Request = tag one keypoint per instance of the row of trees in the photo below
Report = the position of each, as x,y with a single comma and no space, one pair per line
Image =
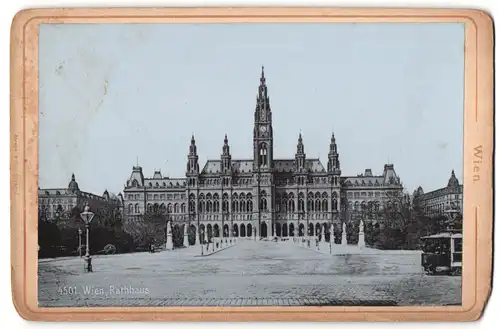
397,227
60,236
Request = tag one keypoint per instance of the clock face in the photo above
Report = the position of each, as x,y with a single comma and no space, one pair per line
263,129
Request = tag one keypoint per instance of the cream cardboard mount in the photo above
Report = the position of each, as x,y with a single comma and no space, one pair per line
262,238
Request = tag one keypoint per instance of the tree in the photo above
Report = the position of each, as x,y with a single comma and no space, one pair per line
399,223
49,238
177,236
457,223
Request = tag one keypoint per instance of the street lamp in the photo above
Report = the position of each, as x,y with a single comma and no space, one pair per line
330,234
80,242
87,217
202,239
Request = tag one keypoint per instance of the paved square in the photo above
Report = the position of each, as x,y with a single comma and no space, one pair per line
250,273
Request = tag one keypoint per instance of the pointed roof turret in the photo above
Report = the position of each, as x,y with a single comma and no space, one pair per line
453,181
300,147
333,157
192,147
225,147
192,165
333,146
262,108
73,185
300,144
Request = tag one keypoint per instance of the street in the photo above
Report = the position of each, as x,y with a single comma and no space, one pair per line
248,273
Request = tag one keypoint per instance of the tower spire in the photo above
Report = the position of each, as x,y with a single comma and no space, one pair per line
225,157
333,157
225,147
263,129
192,165
300,156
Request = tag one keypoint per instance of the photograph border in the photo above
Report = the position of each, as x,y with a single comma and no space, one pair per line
478,170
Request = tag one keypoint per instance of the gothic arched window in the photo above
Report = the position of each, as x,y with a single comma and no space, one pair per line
130,208
263,155
301,204
136,208
291,205
317,205
263,204
249,205
310,205
324,205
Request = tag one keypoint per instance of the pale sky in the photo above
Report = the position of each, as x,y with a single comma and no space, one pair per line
110,93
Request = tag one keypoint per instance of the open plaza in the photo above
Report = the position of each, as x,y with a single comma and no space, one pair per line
247,272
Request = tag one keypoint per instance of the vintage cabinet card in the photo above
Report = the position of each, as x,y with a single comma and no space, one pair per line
251,164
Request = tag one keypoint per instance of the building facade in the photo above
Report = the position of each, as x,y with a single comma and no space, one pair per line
259,195
442,201
56,204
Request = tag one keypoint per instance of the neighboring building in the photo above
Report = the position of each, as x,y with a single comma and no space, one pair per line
441,201
259,195
54,203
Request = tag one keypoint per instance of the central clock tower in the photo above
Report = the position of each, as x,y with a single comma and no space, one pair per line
263,130
263,179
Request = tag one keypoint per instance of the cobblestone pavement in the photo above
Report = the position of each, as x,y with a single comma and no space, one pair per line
250,273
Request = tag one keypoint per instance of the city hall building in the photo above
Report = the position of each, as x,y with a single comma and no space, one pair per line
259,195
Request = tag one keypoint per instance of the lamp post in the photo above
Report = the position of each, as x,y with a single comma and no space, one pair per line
87,217
331,236
202,239
80,242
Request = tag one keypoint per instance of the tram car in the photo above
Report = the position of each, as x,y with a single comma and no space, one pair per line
442,253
